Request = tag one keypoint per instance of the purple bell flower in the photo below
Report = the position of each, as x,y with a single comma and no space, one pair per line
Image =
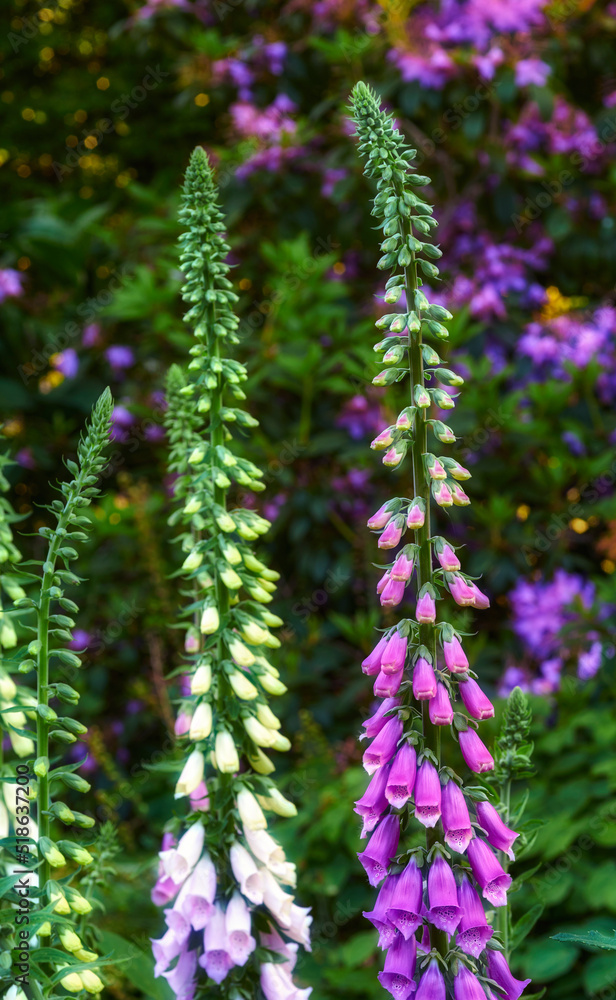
383,746
444,911
475,753
499,971
427,795
499,835
375,723
373,802
379,916
398,975
387,685
381,849
404,911
477,704
394,656
488,871
424,680
440,709
372,663
473,929
456,820
432,985
466,986
401,779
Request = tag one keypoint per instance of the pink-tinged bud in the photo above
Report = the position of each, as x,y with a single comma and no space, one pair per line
476,703
457,471
404,910
447,558
460,498
441,712
432,985
373,803
475,753
443,432
480,600
392,593
380,587
405,419
382,440
455,657
424,680
394,456
397,976
381,848
444,911
442,494
466,986
499,835
473,931
402,569
416,516
375,723
372,663
499,971
380,518
401,780
394,656
392,534
456,820
387,685
379,915
460,591
488,871
427,795
426,609
383,746
182,724
435,468
421,397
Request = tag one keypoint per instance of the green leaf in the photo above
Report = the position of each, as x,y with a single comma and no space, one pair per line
546,960
137,966
599,972
525,924
588,939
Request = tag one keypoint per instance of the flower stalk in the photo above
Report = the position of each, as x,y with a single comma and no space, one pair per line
422,671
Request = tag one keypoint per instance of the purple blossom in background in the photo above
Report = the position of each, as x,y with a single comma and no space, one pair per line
275,53
91,335
331,176
574,443
264,123
81,639
121,420
67,362
361,417
10,283
120,357
531,71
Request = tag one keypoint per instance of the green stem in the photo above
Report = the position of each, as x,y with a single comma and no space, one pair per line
503,914
421,488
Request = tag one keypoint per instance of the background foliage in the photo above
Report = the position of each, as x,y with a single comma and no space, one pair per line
514,110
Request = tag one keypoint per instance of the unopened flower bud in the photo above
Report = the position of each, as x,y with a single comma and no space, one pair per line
72,983
395,455
191,776
258,733
91,982
201,722
416,515
51,853
242,686
383,440
227,759
250,811
70,940
201,680
421,397
240,653
260,762
210,620
267,717
193,561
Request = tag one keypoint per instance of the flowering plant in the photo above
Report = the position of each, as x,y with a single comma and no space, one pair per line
231,915
421,670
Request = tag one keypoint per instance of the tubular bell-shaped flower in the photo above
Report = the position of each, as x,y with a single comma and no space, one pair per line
435,689
226,863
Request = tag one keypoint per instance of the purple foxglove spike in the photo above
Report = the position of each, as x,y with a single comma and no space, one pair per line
473,930
380,518
425,611
499,835
379,916
392,594
424,680
394,656
480,599
372,663
456,820
475,753
398,975
427,795
380,587
432,985
381,849
416,517
455,657
477,704
391,535
241,943
499,971
375,723
216,959
466,986
448,559
387,685
404,909
373,803
444,911
441,712
488,871
181,979
460,591
402,569
401,779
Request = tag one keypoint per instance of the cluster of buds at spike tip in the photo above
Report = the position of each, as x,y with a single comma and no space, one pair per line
219,862
48,844
430,911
